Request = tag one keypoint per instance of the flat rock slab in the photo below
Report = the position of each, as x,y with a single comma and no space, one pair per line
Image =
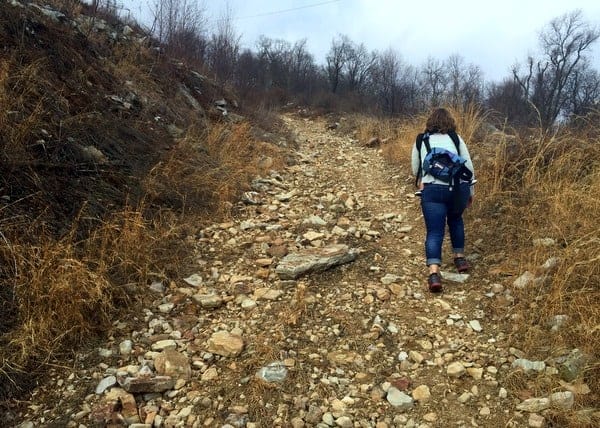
455,277
143,384
310,260
225,344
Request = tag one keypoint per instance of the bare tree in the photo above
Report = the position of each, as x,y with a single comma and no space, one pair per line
584,92
282,68
465,81
249,75
455,64
359,64
385,80
508,98
472,90
434,78
303,69
223,49
546,80
180,26
274,54
336,61
410,90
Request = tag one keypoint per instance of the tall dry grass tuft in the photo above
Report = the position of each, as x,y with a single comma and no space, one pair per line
397,134
209,167
404,132
124,249
23,107
540,186
59,300
64,290
469,121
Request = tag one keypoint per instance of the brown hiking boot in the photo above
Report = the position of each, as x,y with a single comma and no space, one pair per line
435,282
462,265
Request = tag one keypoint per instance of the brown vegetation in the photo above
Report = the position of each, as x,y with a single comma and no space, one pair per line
107,147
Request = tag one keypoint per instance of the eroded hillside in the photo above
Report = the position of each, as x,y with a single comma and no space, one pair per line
105,143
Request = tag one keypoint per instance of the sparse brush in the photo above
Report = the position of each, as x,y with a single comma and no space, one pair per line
367,128
208,168
65,291
400,149
23,110
122,248
546,186
264,118
59,301
469,120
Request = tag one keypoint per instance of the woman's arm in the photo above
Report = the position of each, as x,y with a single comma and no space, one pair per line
464,153
415,160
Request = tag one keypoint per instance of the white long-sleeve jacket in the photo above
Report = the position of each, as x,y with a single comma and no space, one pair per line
442,141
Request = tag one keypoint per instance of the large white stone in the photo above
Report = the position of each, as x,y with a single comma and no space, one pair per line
399,399
562,399
314,260
534,404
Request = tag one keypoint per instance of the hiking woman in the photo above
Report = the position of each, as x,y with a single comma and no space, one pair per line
441,201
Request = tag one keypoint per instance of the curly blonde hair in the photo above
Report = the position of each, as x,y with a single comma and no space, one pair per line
440,121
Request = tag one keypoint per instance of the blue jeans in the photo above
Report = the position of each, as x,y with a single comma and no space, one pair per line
441,206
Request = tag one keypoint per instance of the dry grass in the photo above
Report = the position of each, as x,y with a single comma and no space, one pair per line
209,168
66,290
22,98
536,186
59,300
546,187
79,240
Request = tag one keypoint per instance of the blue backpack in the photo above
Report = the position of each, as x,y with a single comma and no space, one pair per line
443,164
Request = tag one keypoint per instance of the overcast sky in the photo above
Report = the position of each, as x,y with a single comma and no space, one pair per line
493,35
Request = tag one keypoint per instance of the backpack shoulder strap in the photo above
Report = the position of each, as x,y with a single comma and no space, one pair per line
418,143
454,136
426,141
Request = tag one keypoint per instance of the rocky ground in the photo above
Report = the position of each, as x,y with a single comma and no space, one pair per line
309,309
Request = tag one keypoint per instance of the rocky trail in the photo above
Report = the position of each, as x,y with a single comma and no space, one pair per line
309,309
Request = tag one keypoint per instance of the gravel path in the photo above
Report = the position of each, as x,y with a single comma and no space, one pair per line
362,344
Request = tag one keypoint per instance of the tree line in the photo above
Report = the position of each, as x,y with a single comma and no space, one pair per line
551,87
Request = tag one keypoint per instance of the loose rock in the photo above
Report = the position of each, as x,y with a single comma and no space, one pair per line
399,399
225,344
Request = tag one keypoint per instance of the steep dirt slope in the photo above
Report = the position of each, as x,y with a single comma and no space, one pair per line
362,344
92,116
